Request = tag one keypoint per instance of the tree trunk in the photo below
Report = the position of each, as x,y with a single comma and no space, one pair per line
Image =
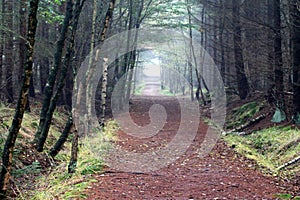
44,62
9,64
62,139
54,70
191,52
242,81
133,54
61,82
222,27
2,34
16,124
74,154
91,65
22,44
108,18
279,87
104,89
270,73
296,58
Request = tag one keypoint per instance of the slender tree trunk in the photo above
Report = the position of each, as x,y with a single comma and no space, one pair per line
54,70
17,121
108,19
128,55
2,35
203,42
22,50
279,87
63,138
45,62
243,86
61,82
132,61
9,64
74,154
191,51
22,45
270,72
104,90
222,27
296,58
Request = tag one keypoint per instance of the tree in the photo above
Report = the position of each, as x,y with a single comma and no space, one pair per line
295,16
278,61
1,47
242,82
53,72
64,69
19,112
83,86
8,51
191,51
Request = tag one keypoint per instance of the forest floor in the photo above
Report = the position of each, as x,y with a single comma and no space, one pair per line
222,174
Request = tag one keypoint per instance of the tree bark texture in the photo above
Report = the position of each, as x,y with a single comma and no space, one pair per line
17,120
54,71
61,82
242,82
296,56
279,87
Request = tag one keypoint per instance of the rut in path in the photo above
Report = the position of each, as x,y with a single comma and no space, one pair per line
223,174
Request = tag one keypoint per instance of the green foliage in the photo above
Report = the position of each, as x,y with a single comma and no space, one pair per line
139,89
166,92
91,166
49,11
170,14
240,115
59,184
271,147
34,168
286,197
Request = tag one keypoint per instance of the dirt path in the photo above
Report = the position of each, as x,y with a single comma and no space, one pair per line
152,86
223,174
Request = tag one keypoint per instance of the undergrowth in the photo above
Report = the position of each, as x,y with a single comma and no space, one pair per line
240,115
270,147
36,175
139,89
59,184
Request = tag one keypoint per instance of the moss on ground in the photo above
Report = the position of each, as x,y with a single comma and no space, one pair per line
240,115
270,147
38,176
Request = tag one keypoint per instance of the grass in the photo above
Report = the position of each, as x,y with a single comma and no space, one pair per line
271,147
287,197
32,180
58,184
139,89
166,92
240,115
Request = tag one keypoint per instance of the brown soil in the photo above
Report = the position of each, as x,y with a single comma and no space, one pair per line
223,174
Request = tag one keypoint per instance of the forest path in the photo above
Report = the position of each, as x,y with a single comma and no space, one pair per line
223,174
152,86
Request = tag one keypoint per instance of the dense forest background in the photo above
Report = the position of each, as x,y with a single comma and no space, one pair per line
254,43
